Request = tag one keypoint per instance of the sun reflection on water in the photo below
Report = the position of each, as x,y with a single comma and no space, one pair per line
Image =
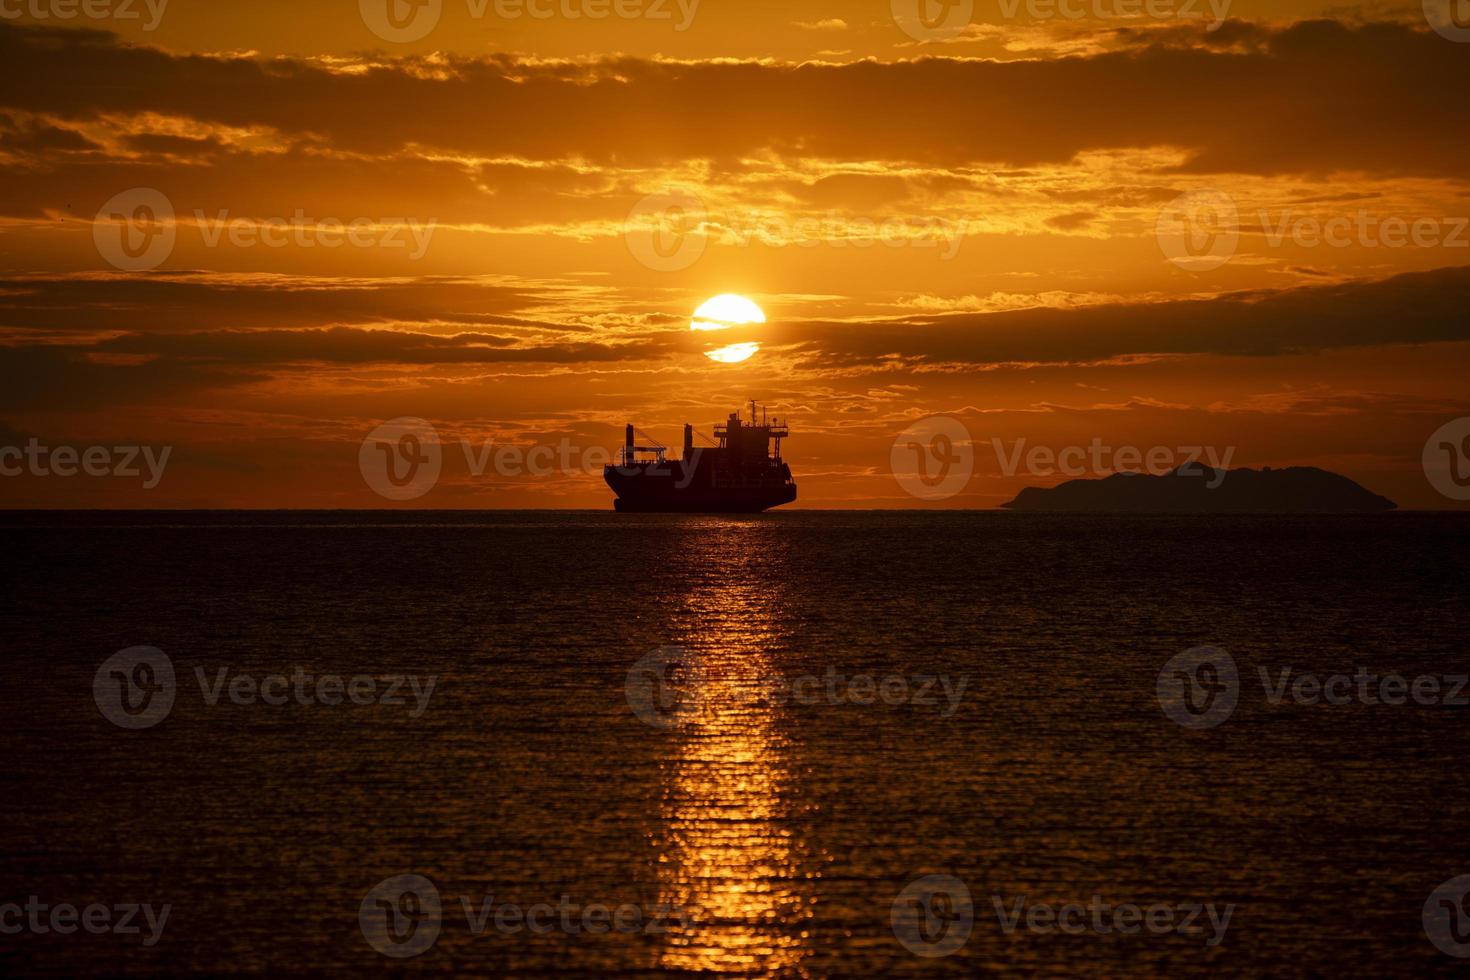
727,853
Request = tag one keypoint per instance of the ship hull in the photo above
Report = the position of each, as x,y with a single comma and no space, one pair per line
640,493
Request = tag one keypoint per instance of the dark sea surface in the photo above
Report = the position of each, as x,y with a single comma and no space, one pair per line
781,828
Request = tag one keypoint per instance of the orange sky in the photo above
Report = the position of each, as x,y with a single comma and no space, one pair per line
1248,233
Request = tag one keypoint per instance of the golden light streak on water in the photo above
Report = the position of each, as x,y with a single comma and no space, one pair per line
727,855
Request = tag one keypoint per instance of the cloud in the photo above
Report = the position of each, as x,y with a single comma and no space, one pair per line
1071,221
142,364
830,24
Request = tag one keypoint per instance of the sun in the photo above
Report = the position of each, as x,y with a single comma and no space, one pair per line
728,310
723,312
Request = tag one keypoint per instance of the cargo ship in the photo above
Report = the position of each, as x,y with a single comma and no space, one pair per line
742,474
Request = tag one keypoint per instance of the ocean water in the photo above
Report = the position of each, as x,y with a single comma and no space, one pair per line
745,737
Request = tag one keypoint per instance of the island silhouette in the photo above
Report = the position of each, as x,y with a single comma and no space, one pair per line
1195,488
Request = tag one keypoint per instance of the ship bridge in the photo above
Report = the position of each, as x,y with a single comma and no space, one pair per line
753,440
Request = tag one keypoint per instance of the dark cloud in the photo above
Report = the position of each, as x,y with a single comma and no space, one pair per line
29,136
1417,308
166,303
59,378
167,143
1318,96
355,346
857,191
1072,221
246,184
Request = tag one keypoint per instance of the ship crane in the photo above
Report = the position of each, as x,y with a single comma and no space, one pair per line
631,450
